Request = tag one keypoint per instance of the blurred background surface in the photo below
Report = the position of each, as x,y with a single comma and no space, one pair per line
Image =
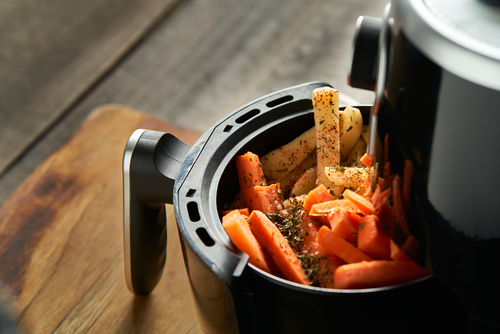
190,62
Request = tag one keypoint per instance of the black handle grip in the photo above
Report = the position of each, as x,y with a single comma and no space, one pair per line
150,164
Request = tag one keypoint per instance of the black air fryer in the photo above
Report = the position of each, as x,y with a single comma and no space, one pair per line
435,66
232,296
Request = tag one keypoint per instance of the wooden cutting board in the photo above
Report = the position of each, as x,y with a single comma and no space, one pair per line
61,248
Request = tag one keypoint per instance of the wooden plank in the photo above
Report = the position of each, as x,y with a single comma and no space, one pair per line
61,240
54,52
210,57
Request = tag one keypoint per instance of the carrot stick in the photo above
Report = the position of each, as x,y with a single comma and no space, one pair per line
367,185
386,149
326,208
340,247
397,254
375,195
387,172
406,191
342,224
311,229
376,274
372,239
366,160
243,211
328,261
363,204
381,183
267,198
398,208
386,217
411,247
354,219
250,174
377,202
320,211
236,226
319,194
270,238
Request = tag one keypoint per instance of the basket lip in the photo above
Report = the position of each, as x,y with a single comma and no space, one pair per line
223,257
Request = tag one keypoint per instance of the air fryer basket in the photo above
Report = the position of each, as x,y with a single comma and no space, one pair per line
265,303
231,295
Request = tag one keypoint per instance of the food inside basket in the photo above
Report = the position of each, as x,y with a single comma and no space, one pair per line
309,212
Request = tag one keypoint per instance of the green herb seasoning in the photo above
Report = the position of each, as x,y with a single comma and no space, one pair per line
290,223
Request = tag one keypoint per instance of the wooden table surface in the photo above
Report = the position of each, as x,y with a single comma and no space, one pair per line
176,60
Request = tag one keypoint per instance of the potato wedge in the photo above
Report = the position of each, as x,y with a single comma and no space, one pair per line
305,183
350,124
289,180
357,151
364,132
326,118
347,176
281,161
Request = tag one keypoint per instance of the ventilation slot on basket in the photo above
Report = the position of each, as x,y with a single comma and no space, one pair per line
193,212
242,119
279,101
205,237
191,193
228,128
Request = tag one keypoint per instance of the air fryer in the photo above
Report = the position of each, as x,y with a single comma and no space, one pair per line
230,295
435,68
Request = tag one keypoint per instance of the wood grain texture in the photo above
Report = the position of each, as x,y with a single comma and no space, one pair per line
203,61
54,52
61,250
211,57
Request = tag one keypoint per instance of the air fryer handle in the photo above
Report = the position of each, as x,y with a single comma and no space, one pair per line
150,164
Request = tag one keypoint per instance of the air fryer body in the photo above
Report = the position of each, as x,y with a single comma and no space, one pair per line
446,121
449,127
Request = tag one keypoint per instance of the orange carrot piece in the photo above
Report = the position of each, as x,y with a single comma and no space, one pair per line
366,160
381,183
386,149
386,217
319,194
236,226
342,224
397,202
377,273
397,254
354,219
375,195
326,208
406,187
340,247
270,238
411,247
377,202
364,205
244,212
267,198
372,239
320,211
387,172
328,262
250,174
367,185
311,229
